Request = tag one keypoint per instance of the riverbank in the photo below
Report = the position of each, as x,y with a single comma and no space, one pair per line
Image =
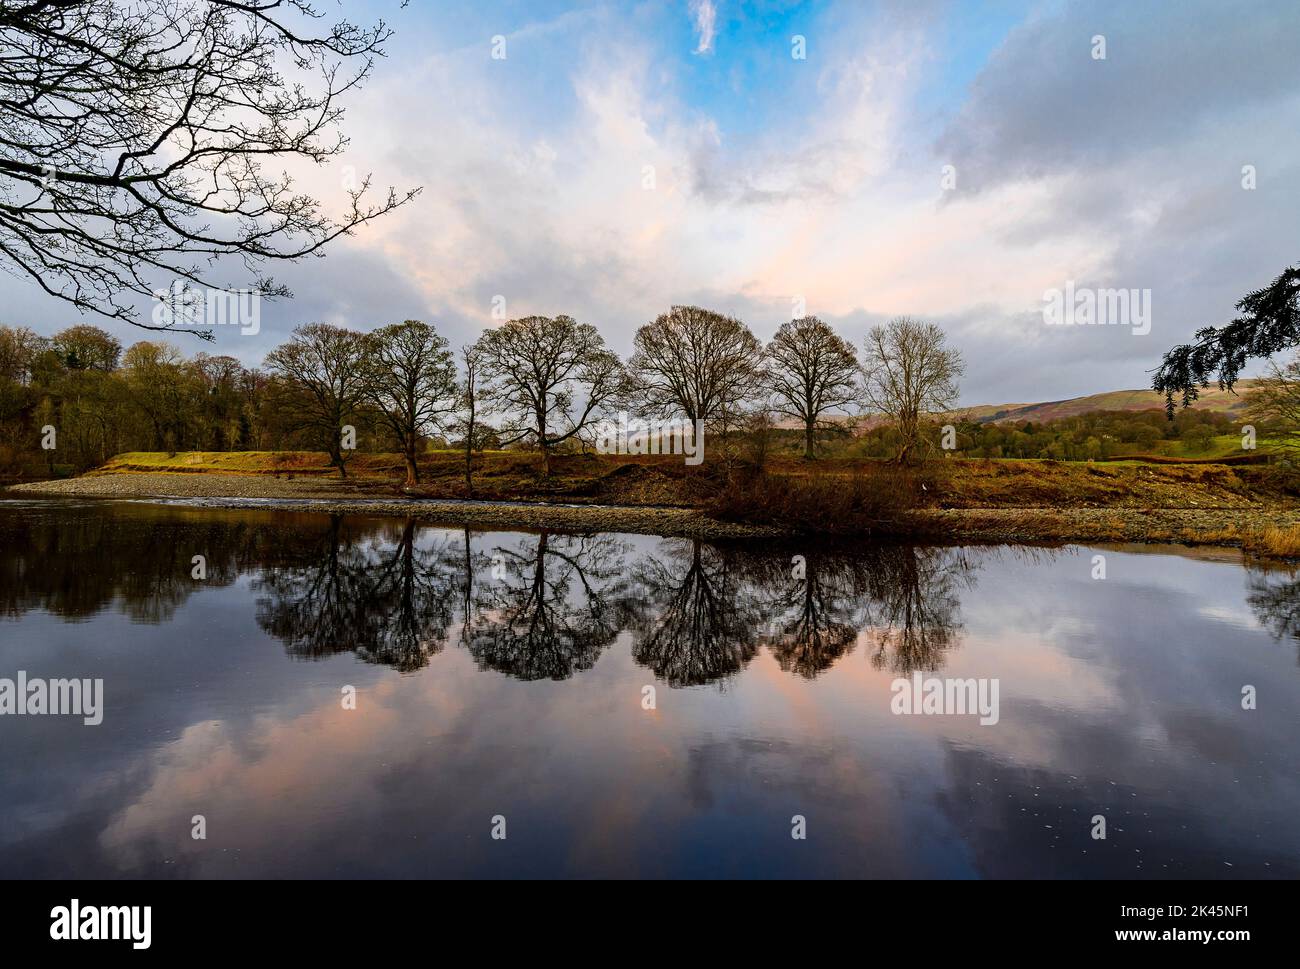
1220,515
330,496
1255,530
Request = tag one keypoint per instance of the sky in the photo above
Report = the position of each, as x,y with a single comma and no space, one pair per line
624,157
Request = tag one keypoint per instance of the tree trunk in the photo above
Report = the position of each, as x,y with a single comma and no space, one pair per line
412,470
336,459
541,439
808,441
469,454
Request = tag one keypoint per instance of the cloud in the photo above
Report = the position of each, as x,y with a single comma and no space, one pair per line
1135,164
543,201
705,16
604,172
1044,104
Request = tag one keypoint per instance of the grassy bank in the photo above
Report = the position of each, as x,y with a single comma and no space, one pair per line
650,480
951,499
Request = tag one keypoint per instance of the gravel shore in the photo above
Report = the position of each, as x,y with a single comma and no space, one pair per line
334,496
1210,526
167,485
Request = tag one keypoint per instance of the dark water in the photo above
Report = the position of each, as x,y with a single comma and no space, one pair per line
520,695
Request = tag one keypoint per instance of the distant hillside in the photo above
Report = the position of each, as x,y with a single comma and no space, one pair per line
1212,398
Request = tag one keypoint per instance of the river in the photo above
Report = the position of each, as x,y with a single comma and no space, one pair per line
334,696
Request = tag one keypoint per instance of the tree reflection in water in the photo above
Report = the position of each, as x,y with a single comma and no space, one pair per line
710,608
915,601
553,605
538,606
76,562
396,592
699,618
1274,594
377,591
814,606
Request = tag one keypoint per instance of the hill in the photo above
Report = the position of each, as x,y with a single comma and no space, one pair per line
1212,398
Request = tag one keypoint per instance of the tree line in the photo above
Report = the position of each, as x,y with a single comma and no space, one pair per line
538,382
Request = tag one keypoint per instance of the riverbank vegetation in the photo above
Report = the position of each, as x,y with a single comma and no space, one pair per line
952,501
745,490
803,434
104,400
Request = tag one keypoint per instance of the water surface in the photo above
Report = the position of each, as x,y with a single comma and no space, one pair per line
505,675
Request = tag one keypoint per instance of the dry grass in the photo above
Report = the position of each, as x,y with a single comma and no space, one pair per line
1027,484
827,495
1282,543
945,500
1271,542
238,462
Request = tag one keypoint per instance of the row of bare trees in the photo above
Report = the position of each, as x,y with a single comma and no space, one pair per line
548,380
538,381
403,375
134,145
710,367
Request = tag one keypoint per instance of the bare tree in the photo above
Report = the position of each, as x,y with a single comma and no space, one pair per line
1275,399
219,381
19,347
469,392
321,384
811,370
910,372
555,375
134,137
409,377
695,363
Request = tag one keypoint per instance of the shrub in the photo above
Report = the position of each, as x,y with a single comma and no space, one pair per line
857,504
